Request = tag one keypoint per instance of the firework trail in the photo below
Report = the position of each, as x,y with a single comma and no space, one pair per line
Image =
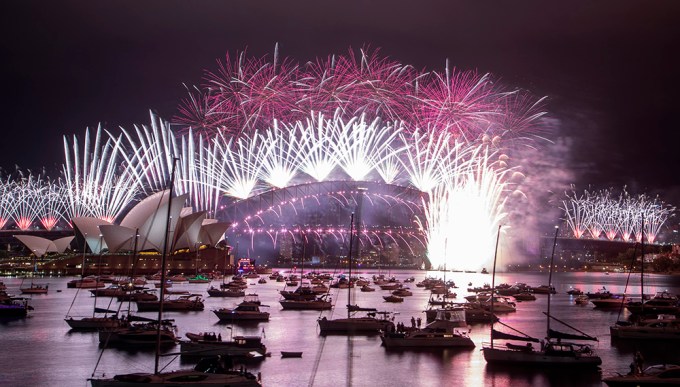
7,201
624,217
279,163
463,213
93,185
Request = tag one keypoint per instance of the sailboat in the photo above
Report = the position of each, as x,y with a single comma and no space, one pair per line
231,289
208,373
553,351
350,324
664,327
35,289
304,297
109,320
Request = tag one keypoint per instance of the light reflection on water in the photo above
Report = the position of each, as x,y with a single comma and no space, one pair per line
42,351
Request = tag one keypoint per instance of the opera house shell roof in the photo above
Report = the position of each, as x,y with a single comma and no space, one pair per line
142,229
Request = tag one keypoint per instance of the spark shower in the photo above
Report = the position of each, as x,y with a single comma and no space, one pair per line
258,124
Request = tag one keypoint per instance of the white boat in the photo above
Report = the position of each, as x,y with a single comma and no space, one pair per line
552,352
245,311
440,333
211,345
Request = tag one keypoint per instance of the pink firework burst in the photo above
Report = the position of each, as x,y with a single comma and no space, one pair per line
248,94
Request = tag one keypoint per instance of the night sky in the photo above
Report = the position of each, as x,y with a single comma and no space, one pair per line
610,69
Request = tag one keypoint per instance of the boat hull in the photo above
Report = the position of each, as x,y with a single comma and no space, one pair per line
365,325
306,305
180,378
217,348
390,341
93,323
507,356
228,315
646,333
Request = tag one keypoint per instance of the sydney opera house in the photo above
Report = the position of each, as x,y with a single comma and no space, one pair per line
136,242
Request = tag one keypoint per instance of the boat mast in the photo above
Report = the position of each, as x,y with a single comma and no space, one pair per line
493,280
132,270
163,259
642,267
349,257
552,258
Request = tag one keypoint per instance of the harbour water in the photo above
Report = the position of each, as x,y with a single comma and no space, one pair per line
41,350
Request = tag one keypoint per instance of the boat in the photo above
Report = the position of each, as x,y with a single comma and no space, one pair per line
209,344
319,303
393,298
664,327
245,311
524,296
191,302
367,288
85,283
553,351
199,279
402,292
101,318
109,320
615,301
441,333
544,289
209,372
291,353
226,292
656,375
13,308
206,374
602,293
662,302
582,300
574,291
138,295
143,333
372,322
300,293
35,289
501,304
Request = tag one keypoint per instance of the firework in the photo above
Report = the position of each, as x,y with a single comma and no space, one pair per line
258,124
94,184
625,217
248,94
7,201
